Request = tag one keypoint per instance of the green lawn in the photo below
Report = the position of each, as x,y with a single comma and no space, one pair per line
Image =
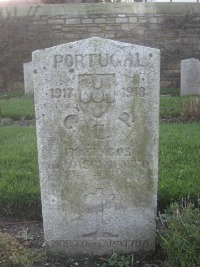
23,106
17,107
19,183
172,106
170,91
7,95
179,164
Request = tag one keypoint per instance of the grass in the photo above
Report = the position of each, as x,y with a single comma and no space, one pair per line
7,95
19,183
179,171
179,155
179,165
172,106
17,107
191,109
13,253
179,235
170,91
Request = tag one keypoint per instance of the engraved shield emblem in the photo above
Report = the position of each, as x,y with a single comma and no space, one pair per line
97,93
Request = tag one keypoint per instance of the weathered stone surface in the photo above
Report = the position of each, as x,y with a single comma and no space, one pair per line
28,78
190,77
97,104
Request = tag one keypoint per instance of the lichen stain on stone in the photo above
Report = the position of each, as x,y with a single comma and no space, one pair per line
135,190
69,186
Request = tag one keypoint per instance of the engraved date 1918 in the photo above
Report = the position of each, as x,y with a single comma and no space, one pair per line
134,91
61,93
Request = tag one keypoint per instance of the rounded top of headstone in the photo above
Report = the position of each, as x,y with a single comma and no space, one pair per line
190,60
96,42
27,63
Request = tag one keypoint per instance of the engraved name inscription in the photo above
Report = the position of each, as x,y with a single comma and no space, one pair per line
111,164
127,118
77,61
110,151
70,121
138,243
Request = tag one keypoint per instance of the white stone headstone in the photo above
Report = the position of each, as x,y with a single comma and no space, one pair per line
28,78
97,116
190,77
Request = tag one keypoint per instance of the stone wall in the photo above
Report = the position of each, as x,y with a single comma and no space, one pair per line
172,27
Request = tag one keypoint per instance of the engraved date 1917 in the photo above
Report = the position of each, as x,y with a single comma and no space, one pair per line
61,93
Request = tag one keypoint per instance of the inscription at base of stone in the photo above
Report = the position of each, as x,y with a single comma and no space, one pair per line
97,117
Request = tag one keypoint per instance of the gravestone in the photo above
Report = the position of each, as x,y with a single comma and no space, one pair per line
28,78
97,120
190,77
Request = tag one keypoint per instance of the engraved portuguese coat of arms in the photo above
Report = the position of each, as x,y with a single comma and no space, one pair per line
97,93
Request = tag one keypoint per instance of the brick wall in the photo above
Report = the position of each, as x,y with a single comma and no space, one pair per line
174,28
